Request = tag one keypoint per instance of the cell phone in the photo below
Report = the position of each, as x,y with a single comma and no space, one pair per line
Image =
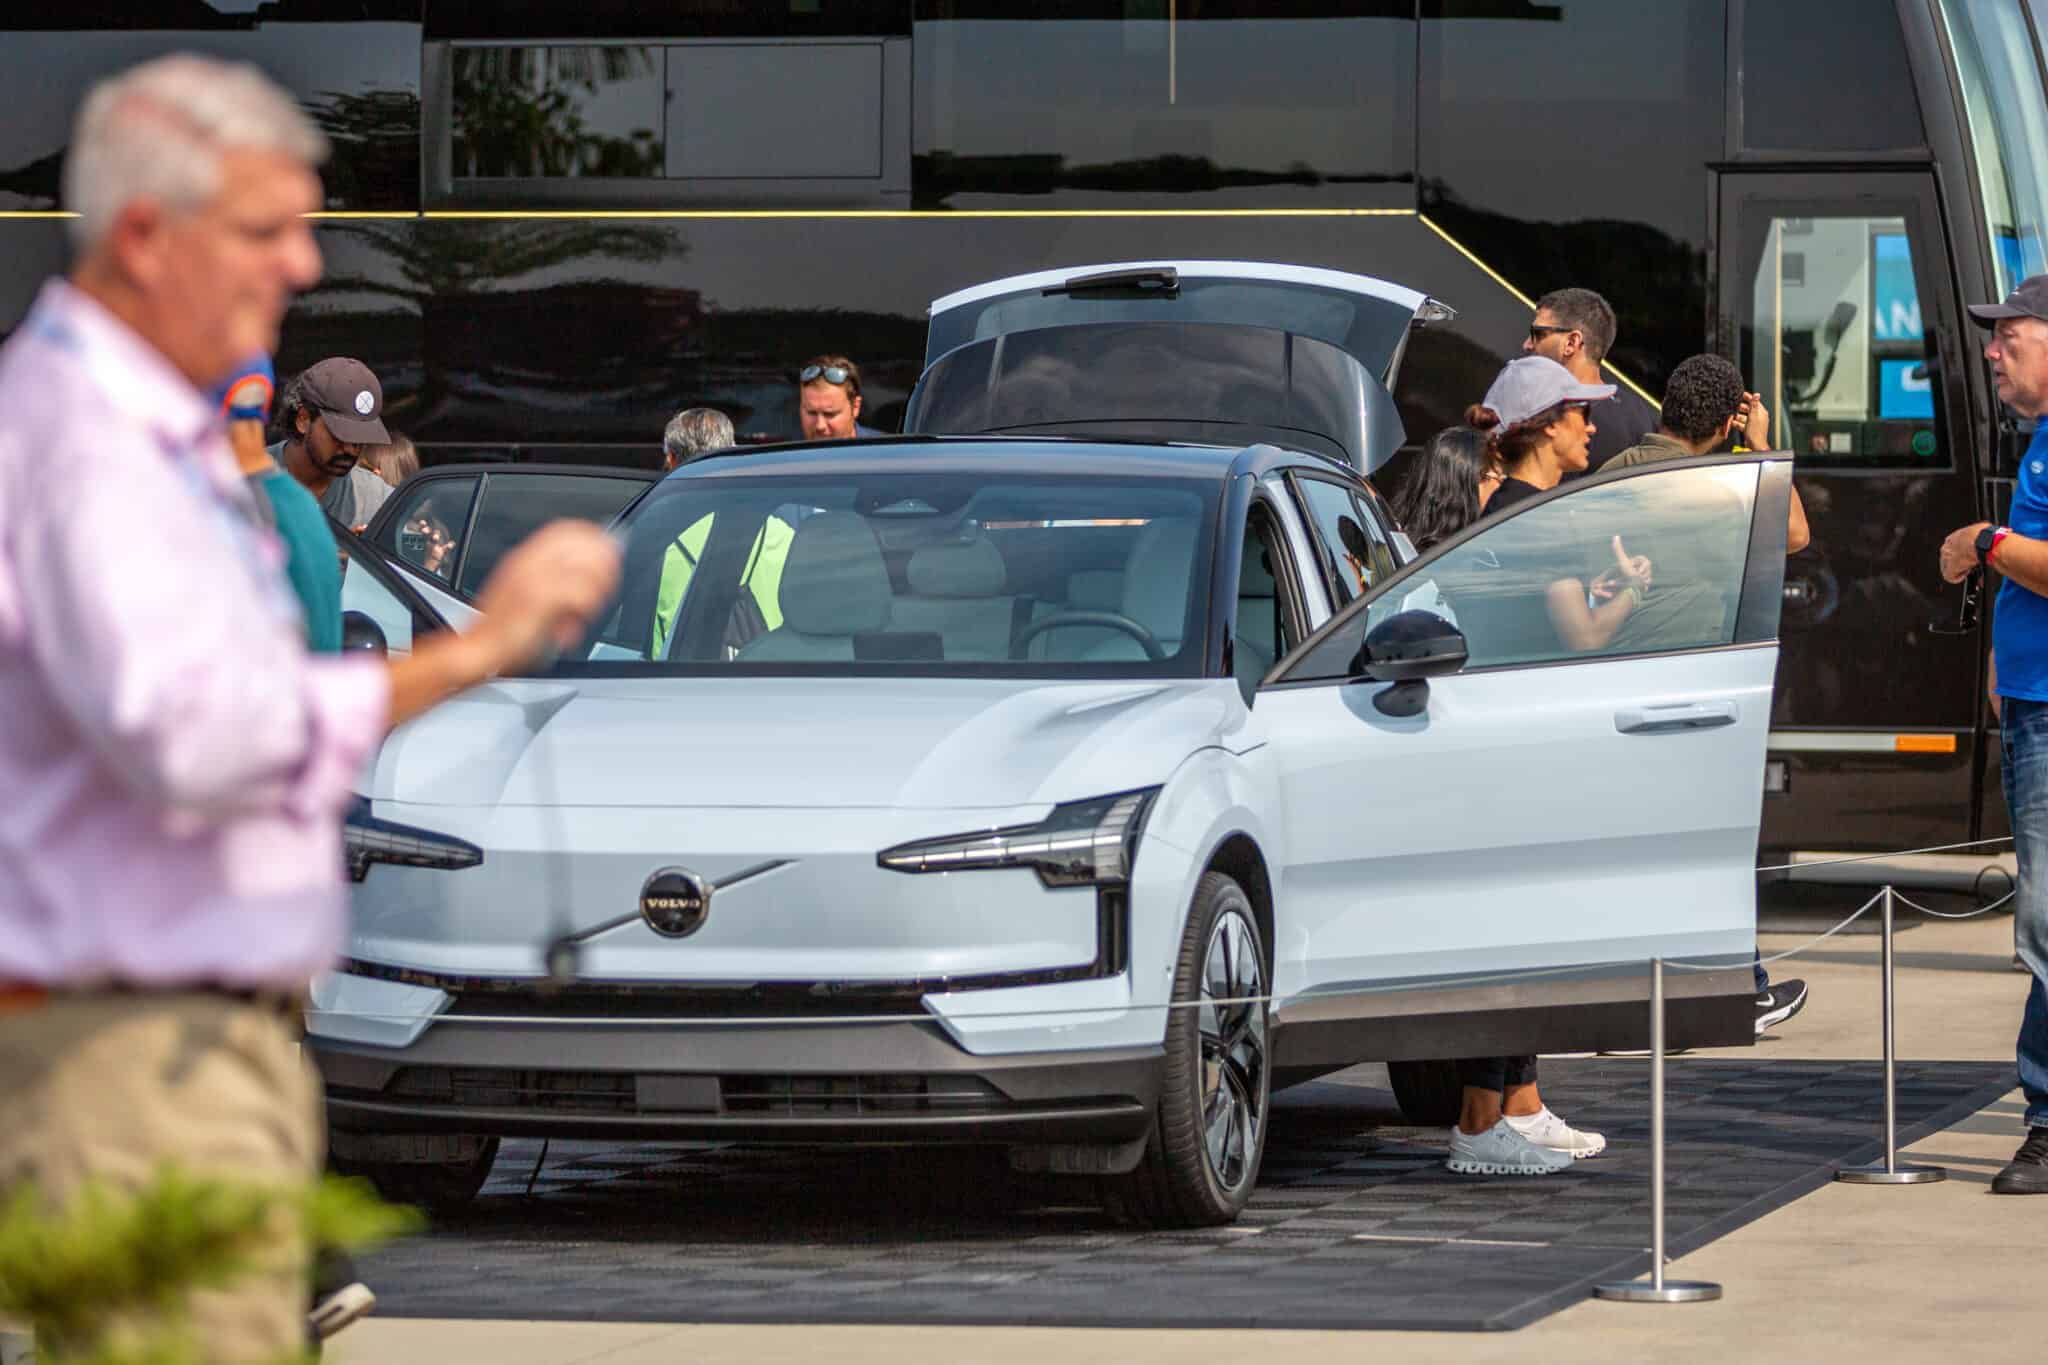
413,545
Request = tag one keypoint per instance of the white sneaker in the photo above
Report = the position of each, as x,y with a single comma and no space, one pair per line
1546,1129
1501,1150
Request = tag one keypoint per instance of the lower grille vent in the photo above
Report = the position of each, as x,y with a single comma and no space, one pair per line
620,1092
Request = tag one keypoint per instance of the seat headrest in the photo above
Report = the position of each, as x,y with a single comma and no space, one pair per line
1156,577
960,568
834,581
1095,589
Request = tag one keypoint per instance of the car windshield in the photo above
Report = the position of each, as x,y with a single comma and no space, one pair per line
975,573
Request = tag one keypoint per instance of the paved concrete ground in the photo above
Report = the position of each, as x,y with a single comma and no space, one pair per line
1849,1273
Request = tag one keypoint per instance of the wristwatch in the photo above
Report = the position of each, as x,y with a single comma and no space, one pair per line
1987,540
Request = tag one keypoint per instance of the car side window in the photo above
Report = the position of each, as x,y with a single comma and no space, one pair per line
373,610
1265,617
426,527
514,506
1646,565
1355,555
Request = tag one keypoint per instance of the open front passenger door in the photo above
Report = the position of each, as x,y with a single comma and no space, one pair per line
1524,765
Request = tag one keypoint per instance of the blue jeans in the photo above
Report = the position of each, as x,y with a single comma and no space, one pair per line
2025,747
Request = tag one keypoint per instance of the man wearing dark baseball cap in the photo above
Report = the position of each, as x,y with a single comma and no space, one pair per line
2018,552
329,413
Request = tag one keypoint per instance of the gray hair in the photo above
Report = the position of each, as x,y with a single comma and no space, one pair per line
696,431
160,129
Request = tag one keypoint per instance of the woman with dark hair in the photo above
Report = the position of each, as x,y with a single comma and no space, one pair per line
1445,489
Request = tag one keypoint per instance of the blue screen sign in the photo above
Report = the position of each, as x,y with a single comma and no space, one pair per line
1895,302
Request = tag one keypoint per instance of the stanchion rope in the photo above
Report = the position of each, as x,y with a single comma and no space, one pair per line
1947,914
1879,857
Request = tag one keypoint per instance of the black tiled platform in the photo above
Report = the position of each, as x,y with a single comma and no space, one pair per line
1356,1223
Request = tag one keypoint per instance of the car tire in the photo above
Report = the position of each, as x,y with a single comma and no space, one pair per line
1428,1092
437,1186
1208,1131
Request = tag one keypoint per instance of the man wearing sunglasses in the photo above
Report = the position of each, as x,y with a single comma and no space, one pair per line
1575,327
828,399
2018,352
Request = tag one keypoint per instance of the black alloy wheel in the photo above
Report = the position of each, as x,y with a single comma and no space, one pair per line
1208,1135
1429,1093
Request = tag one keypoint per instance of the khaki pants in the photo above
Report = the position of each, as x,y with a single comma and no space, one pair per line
112,1087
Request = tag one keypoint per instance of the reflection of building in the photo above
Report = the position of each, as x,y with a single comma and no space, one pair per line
1494,146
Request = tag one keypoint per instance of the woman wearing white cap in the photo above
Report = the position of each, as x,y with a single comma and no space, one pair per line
1539,418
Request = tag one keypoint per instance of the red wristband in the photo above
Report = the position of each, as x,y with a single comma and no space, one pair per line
1996,538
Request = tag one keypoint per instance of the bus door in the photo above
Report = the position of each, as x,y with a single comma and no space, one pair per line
1835,295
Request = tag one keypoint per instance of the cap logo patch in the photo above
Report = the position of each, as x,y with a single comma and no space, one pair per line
365,404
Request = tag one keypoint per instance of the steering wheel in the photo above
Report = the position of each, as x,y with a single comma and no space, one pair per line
1115,620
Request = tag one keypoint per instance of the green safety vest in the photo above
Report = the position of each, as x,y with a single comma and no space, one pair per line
763,575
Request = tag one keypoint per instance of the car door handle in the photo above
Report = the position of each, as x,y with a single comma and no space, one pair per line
1664,720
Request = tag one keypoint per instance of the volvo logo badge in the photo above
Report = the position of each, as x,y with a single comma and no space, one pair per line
675,902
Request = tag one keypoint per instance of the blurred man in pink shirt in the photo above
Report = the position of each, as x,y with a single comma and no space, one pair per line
175,763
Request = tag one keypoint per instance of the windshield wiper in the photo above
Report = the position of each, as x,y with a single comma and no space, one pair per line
1148,282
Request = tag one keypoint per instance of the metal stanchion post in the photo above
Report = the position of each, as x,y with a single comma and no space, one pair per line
1889,1171
1657,1289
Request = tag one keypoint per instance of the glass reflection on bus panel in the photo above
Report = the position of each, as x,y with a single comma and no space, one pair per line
1838,344
557,111
1241,101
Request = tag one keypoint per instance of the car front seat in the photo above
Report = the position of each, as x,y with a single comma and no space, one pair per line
1155,589
956,589
835,586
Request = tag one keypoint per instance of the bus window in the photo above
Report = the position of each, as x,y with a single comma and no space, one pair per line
1837,342
2008,118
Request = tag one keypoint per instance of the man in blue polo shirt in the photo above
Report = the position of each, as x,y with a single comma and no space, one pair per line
2018,352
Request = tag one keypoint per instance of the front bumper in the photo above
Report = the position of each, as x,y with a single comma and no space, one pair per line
843,1080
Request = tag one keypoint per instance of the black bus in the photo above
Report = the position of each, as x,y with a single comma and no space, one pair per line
550,223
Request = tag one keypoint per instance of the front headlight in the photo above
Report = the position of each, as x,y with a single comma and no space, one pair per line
1082,843
367,839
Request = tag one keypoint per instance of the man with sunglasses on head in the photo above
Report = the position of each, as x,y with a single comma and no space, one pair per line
1575,327
2018,352
828,399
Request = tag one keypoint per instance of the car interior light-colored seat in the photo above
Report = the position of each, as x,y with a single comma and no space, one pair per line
1087,590
1256,643
835,585
1155,591
956,590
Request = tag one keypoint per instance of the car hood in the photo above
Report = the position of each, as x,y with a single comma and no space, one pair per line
801,742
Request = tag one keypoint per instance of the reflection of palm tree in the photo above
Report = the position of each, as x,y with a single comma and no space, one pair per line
519,111
376,138
442,270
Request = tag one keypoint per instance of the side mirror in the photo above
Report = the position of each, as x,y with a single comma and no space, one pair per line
359,630
1407,649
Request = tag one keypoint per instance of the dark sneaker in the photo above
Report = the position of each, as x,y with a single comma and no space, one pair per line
339,1298
2027,1172
1778,1002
